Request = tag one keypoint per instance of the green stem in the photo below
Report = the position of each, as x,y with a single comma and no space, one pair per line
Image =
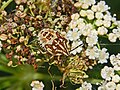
5,5
98,45
32,12
26,9
94,81
46,77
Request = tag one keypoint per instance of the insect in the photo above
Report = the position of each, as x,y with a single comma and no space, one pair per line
53,42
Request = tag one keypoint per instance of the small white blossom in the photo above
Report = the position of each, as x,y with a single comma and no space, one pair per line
21,7
92,37
102,7
112,37
86,86
10,63
114,21
90,14
103,56
83,13
107,17
80,20
81,24
101,88
99,15
102,30
117,32
107,73
92,40
86,3
92,53
85,6
73,35
99,22
87,29
118,56
73,24
107,23
89,2
75,16
118,87
110,86
115,61
78,4
76,47
36,85
94,8
116,78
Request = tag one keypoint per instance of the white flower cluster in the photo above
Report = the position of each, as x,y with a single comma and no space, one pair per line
114,35
95,53
85,86
115,61
110,76
92,21
36,85
74,35
109,86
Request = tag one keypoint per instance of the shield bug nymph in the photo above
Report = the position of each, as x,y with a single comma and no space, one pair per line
53,42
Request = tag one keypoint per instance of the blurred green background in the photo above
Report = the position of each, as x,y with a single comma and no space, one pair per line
19,78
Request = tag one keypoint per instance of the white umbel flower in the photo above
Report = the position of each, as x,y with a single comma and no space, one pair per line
86,86
112,37
80,24
116,78
102,30
73,35
73,24
110,86
118,87
103,56
92,38
99,15
99,22
102,7
101,88
87,29
117,32
85,6
75,16
94,8
89,2
36,85
92,53
90,14
107,17
83,13
107,23
107,73
115,61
